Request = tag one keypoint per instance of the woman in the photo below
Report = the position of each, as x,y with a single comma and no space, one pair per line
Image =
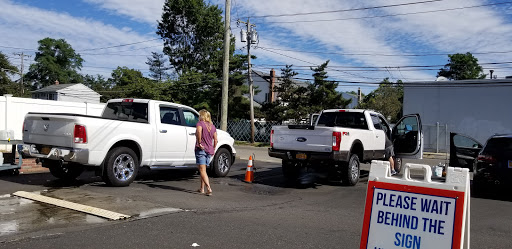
206,141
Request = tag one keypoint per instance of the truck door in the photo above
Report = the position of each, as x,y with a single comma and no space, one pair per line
407,137
379,137
190,119
171,138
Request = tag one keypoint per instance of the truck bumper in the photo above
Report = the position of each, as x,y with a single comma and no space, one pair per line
336,156
75,155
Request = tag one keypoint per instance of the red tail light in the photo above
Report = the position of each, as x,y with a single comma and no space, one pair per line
80,134
272,139
336,140
128,100
486,159
23,128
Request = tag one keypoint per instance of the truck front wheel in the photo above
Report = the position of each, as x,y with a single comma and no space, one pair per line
221,163
122,166
62,170
350,171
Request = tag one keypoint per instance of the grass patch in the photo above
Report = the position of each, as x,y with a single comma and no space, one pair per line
255,144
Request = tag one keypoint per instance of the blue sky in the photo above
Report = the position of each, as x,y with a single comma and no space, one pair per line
362,45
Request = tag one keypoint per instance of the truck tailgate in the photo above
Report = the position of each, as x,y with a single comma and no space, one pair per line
317,140
56,130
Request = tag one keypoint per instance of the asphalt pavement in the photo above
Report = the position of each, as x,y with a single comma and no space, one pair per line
166,212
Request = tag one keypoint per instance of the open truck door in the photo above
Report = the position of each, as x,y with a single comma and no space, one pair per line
407,137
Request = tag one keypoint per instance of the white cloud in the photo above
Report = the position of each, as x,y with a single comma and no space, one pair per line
148,11
22,26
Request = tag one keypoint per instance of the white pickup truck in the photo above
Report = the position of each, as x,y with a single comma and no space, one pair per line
131,133
341,139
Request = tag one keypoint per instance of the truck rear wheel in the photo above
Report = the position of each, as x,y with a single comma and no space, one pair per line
290,170
122,166
221,163
350,171
62,170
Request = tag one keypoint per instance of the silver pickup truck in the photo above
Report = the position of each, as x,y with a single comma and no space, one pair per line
341,139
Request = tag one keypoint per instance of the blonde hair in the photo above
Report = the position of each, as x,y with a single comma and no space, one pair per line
205,116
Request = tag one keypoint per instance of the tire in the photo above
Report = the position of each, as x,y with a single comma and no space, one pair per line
398,164
350,171
121,167
290,170
221,163
62,170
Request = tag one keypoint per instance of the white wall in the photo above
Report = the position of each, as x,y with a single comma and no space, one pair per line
477,110
13,110
263,87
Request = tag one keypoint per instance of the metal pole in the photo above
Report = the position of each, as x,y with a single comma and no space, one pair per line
251,90
225,68
437,137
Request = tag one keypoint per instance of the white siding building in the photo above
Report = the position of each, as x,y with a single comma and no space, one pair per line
476,108
76,92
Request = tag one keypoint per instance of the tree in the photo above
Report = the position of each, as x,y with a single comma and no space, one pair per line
462,67
193,35
386,99
6,84
323,92
157,67
55,60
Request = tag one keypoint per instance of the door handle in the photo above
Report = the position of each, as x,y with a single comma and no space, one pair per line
163,131
192,134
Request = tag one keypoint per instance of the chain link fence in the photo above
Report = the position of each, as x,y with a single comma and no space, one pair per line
241,130
436,138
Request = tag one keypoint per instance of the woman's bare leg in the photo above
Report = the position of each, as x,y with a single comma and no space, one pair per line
205,182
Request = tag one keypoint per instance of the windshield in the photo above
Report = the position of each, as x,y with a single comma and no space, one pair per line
127,111
355,120
498,146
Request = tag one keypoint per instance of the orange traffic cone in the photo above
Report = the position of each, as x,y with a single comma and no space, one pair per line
249,173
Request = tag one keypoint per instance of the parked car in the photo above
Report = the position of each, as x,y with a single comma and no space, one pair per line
341,139
491,164
131,133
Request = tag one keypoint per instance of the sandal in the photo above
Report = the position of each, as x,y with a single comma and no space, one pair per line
200,191
209,193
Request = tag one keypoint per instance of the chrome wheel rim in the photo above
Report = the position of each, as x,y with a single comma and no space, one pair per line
354,170
124,167
223,163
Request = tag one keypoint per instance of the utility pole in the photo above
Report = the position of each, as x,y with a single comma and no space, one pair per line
252,38
225,68
22,56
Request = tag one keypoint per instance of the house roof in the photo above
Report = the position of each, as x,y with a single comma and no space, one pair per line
54,88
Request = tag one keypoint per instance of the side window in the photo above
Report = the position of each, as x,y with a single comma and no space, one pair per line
191,118
407,125
169,115
376,122
385,126
464,142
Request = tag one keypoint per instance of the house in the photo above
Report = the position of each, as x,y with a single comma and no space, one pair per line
265,82
74,92
476,108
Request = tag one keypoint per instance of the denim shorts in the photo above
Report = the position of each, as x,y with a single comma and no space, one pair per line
203,158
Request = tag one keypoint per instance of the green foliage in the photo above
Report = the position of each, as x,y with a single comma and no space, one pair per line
193,35
387,99
462,67
55,60
323,92
157,67
6,69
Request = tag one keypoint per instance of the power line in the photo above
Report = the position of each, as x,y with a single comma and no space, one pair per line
382,67
120,45
346,10
379,54
389,15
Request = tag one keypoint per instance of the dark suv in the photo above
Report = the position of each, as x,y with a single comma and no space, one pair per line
494,162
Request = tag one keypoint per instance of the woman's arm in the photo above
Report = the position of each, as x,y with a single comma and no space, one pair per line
199,133
215,140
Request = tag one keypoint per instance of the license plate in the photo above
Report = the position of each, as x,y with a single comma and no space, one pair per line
301,156
45,150
510,164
